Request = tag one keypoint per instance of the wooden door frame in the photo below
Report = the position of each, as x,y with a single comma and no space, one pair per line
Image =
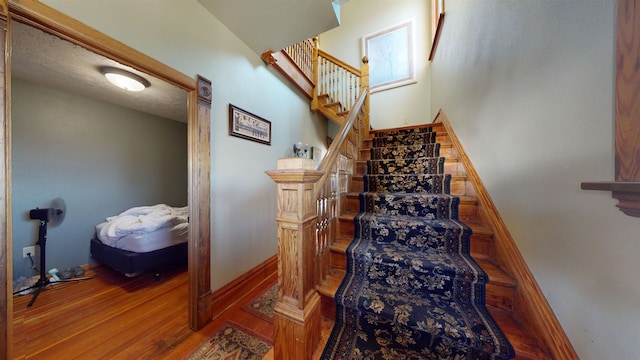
47,19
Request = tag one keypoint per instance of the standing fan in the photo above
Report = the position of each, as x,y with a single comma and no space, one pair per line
53,215
59,210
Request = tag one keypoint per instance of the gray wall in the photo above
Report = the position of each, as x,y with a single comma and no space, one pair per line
528,88
185,36
100,158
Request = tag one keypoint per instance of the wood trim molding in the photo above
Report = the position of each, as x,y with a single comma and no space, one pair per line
436,37
627,194
287,67
437,22
6,267
199,130
530,305
627,95
626,187
36,14
227,296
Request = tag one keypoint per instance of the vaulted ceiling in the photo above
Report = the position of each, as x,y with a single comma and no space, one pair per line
275,24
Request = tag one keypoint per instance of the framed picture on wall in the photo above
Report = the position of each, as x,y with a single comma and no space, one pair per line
246,125
391,57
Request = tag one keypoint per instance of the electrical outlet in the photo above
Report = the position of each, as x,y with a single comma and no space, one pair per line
28,250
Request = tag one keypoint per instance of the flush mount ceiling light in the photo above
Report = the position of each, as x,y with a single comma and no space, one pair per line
124,79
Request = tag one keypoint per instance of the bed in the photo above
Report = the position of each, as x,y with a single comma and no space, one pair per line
141,239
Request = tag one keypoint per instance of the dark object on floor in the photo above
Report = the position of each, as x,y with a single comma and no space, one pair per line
411,288
131,263
143,238
71,272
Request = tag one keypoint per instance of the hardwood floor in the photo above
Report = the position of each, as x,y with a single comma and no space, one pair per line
114,317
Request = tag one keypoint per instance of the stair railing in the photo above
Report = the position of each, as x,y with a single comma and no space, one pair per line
302,54
309,203
337,167
311,200
341,82
332,85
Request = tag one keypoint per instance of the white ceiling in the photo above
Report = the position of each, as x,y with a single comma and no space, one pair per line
44,59
275,24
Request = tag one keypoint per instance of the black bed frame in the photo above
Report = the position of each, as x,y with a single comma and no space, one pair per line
130,263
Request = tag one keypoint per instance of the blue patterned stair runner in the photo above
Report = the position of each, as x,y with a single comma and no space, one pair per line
412,290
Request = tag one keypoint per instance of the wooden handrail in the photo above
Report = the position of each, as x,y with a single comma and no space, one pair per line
339,62
337,168
329,160
308,204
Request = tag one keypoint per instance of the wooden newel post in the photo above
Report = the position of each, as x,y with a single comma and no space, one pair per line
297,312
365,84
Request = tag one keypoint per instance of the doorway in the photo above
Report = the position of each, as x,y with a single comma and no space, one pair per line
198,125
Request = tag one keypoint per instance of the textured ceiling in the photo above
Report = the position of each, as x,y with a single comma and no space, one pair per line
44,59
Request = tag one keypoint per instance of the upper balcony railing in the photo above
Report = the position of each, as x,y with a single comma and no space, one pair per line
302,54
341,82
332,85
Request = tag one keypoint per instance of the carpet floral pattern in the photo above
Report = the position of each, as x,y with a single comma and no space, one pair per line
262,305
233,342
412,291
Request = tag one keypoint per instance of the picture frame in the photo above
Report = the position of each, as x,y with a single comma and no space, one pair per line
246,125
391,54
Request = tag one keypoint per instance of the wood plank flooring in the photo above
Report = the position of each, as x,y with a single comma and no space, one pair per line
115,317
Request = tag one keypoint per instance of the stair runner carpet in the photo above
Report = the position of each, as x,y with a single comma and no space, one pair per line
411,289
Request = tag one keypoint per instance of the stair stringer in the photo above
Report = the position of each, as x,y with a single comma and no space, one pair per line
531,309
328,108
287,67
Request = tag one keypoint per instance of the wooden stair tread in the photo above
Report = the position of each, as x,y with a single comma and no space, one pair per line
458,177
496,275
479,228
340,244
524,344
331,283
465,199
347,216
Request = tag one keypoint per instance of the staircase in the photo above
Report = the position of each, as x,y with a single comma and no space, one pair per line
500,287
513,297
